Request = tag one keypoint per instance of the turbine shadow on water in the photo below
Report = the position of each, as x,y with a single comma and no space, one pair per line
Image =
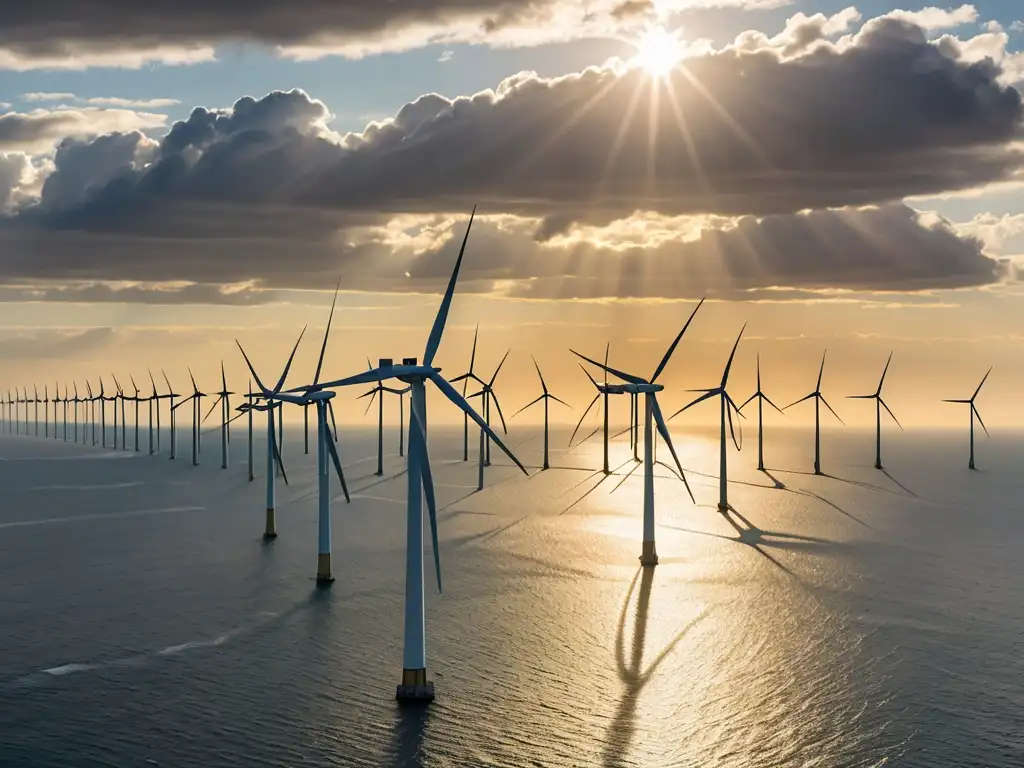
410,727
631,672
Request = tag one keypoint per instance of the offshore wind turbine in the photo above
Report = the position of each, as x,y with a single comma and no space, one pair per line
153,401
490,396
194,399
974,412
76,401
273,450
415,685
136,399
326,448
46,411
379,389
544,398
224,401
603,391
90,412
124,420
818,400
465,378
879,405
762,398
726,408
35,402
652,413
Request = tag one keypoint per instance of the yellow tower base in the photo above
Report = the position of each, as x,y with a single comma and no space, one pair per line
323,568
649,555
271,530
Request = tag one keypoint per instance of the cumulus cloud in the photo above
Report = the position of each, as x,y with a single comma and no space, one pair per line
932,18
100,101
746,130
996,232
125,33
38,130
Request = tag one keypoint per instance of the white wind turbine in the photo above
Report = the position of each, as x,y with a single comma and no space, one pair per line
171,396
726,408
414,685
762,398
879,405
818,400
652,411
544,398
327,451
224,401
974,412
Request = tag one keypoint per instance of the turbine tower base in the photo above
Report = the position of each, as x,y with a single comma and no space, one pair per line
323,570
271,530
414,687
649,555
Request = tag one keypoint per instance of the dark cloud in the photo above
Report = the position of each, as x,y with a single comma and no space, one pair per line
877,248
47,344
736,132
40,129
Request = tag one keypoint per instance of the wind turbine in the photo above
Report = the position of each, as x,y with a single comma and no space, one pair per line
974,412
380,389
76,401
194,398
326,448
544,398
818,399
153,401
414,685
249,411
103,415
603,390
35,402
46,410
762,398
136,399
652,412
726,407
124,420
489,395
224,401
879,405
171,395
465,379
273,451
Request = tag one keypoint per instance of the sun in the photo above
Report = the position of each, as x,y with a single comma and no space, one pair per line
658,51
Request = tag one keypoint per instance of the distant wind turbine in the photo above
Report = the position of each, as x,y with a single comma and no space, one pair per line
726,408
544,398
224,401
879,405
652,413
488,396
974,412
465,378
762,398
818,399
171,396
603,391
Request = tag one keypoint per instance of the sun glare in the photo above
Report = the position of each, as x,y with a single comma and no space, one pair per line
658,51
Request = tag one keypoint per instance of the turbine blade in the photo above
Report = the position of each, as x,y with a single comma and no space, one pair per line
607,349
277,452
561,401
981,385
472,355
702,398
885,370
956,401
168,381
212,407
333,450
371,376
334,424
534,402
327,332
797,402
497,405
194,387
452,394
773,405
256,376
978,414
288,365
732,427
580,422
747,401
434,340
830,408
539,375
728,365
674,344
821,371
418,443
663,429
592,381
498,369
891,413
624,376
373,395
732,402
861,397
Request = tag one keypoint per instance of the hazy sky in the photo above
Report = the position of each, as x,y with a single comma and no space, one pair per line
174,175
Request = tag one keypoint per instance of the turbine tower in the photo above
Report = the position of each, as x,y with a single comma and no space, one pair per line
652,413
727,406
136,399
224,401
326,449
171,395
974,412
414,685
603,391
544,398
379,389
465,378
762,398
879,405
818,400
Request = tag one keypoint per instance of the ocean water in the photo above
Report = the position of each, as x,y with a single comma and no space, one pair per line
857,619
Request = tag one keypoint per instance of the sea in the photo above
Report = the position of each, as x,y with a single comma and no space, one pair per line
863,617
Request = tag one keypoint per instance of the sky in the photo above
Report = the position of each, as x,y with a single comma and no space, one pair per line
849,178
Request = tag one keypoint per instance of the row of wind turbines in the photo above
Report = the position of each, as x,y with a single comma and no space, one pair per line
411,377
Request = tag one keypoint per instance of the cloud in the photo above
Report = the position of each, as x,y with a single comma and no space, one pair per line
446,56
38,130
995,231
100,101
53,344
888,248
932,18
753,129
125,33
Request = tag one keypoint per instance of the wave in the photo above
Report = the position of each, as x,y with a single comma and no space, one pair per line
99,516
